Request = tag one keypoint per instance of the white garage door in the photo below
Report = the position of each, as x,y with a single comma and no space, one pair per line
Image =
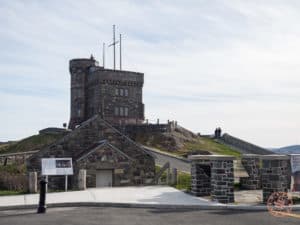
104,178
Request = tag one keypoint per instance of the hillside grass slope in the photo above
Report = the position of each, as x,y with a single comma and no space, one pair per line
180,142
31,143
183,142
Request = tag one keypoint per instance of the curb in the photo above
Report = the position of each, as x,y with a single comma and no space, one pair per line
145,206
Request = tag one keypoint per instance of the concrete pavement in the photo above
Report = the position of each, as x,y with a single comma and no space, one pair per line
144,195
134,197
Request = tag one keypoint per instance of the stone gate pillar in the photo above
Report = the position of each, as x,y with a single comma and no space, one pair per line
275,174
200,172
222,178
213,175
251,163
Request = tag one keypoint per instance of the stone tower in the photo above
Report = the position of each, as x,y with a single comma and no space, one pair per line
114,94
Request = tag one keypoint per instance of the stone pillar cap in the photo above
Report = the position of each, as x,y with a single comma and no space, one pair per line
274,157
212,157
250,156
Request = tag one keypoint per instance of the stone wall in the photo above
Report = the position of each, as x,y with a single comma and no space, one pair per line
221,179
134,130
252,165
82,146
275,174
243,146
15,158
201,175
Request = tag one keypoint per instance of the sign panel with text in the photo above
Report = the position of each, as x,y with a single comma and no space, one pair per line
57,166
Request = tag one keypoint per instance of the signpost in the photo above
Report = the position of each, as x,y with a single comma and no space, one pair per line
57,166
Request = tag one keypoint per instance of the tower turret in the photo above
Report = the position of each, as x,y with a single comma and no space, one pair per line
79,69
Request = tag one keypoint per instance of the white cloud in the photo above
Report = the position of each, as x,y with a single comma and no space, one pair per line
207,63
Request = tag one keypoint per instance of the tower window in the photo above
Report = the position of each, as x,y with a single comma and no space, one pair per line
116,111
121,111
121,92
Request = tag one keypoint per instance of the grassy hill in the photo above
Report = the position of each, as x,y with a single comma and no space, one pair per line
181,142
31,143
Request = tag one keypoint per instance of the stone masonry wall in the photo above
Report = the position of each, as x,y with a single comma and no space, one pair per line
243,146
85,138
201,175
275,174
116,95
222,180
221,185
252,165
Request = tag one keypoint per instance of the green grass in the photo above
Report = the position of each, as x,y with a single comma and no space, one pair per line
162,143
13,168
6,192
31,143
183,181
163,177
203,143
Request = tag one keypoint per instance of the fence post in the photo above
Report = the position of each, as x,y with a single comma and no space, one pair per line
32,182
174,176
168,176
82,179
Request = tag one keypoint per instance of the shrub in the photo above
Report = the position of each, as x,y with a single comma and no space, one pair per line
13,177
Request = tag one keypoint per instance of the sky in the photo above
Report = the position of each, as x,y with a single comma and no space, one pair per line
207,63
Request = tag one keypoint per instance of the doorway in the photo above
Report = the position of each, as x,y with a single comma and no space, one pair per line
104,178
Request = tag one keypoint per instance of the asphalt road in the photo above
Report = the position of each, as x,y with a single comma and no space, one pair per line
126,216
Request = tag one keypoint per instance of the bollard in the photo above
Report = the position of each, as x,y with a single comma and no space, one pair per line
42,202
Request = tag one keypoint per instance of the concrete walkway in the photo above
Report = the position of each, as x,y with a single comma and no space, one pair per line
136,197
159,195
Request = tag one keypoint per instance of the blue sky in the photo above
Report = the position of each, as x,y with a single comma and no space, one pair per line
207,63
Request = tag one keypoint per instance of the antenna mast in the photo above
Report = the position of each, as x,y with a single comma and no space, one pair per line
103,55
120,51
114,44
